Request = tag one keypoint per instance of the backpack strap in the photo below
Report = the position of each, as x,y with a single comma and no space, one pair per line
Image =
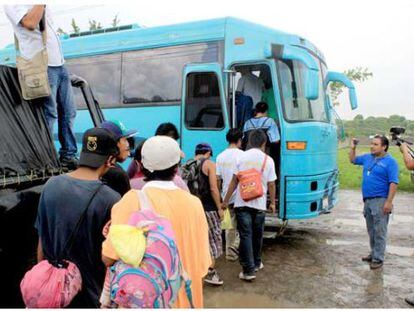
144,202
69,242
264,164
251,122
187,283
264,122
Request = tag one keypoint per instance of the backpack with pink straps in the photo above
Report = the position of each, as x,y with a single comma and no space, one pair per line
156,281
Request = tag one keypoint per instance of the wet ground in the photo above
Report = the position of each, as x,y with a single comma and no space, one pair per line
317,263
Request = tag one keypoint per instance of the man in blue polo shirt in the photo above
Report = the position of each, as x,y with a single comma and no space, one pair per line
379,185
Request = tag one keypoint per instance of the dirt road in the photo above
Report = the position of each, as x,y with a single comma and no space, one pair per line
317,263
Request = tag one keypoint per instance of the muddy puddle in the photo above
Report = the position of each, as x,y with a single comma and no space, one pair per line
317,264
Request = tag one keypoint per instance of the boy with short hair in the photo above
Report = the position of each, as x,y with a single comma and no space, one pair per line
251,214
226,162
63,201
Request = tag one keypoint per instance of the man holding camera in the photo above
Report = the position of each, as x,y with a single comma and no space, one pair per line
379,185
409,164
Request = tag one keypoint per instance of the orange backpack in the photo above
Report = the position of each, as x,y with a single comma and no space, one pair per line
250,183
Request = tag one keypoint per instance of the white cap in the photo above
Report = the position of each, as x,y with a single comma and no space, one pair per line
159,153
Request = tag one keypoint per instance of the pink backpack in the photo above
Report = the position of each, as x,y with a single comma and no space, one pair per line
160,275
48,286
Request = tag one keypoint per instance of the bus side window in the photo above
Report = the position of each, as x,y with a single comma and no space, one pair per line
103,73
202,103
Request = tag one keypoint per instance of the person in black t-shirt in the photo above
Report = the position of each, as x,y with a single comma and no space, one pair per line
63,201
116,178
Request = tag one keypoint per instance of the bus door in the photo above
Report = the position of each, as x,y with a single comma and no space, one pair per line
204,116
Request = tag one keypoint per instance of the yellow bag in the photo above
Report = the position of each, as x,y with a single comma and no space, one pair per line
129,243
226,223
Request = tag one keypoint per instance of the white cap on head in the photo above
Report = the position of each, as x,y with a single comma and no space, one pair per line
159,153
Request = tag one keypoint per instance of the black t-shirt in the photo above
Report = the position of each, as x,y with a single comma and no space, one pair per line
117,179
62,202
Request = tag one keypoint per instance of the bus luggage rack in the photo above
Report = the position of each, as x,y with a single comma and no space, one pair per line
15,179
103,30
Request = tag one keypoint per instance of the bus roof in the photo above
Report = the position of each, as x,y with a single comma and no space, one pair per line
135,37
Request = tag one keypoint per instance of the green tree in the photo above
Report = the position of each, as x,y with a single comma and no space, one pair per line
115,21
357,74
75,27
359,117
60,32
94,25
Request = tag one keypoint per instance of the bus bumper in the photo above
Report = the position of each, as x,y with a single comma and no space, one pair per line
309,196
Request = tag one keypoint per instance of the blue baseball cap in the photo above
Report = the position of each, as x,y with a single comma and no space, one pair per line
204,147
118,129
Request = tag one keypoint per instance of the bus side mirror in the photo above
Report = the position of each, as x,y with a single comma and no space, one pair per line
340,77
311,78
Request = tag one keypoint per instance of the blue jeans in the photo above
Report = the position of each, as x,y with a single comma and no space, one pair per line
250,224
377,223
60,106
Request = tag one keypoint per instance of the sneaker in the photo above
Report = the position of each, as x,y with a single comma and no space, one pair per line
247,276
232,257
213,278
232,254
375,265
256,269
367,258
69,163
410,300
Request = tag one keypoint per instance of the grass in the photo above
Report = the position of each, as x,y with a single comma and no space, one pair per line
350,176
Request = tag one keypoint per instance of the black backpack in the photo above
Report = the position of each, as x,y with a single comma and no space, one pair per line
246,134
191,173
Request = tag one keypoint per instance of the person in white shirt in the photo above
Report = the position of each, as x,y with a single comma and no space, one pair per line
250,85
225,164
251,214
26,20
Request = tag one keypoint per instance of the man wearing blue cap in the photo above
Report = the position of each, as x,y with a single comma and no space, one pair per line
116,178
209,194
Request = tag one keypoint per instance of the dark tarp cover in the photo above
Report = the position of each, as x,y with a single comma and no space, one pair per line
26,146
18,241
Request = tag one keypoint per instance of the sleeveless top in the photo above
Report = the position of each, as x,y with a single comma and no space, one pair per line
205,193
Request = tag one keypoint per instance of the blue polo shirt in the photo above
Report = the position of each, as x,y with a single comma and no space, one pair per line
377,175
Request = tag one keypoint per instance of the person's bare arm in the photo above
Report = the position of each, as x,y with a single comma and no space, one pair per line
40,255
352,151
408,160
391,194
272,193
233,184
32,19
212,179
219,183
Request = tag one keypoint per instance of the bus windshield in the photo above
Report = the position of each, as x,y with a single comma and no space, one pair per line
296,107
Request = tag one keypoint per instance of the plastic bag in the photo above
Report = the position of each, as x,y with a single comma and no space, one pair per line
129,243
226,223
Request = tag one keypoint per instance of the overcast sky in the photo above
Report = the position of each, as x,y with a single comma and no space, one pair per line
374,34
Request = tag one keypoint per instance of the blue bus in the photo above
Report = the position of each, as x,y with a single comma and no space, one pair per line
188,73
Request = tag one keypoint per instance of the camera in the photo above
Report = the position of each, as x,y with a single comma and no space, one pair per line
395,133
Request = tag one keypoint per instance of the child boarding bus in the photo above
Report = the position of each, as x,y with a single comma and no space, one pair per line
188,74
